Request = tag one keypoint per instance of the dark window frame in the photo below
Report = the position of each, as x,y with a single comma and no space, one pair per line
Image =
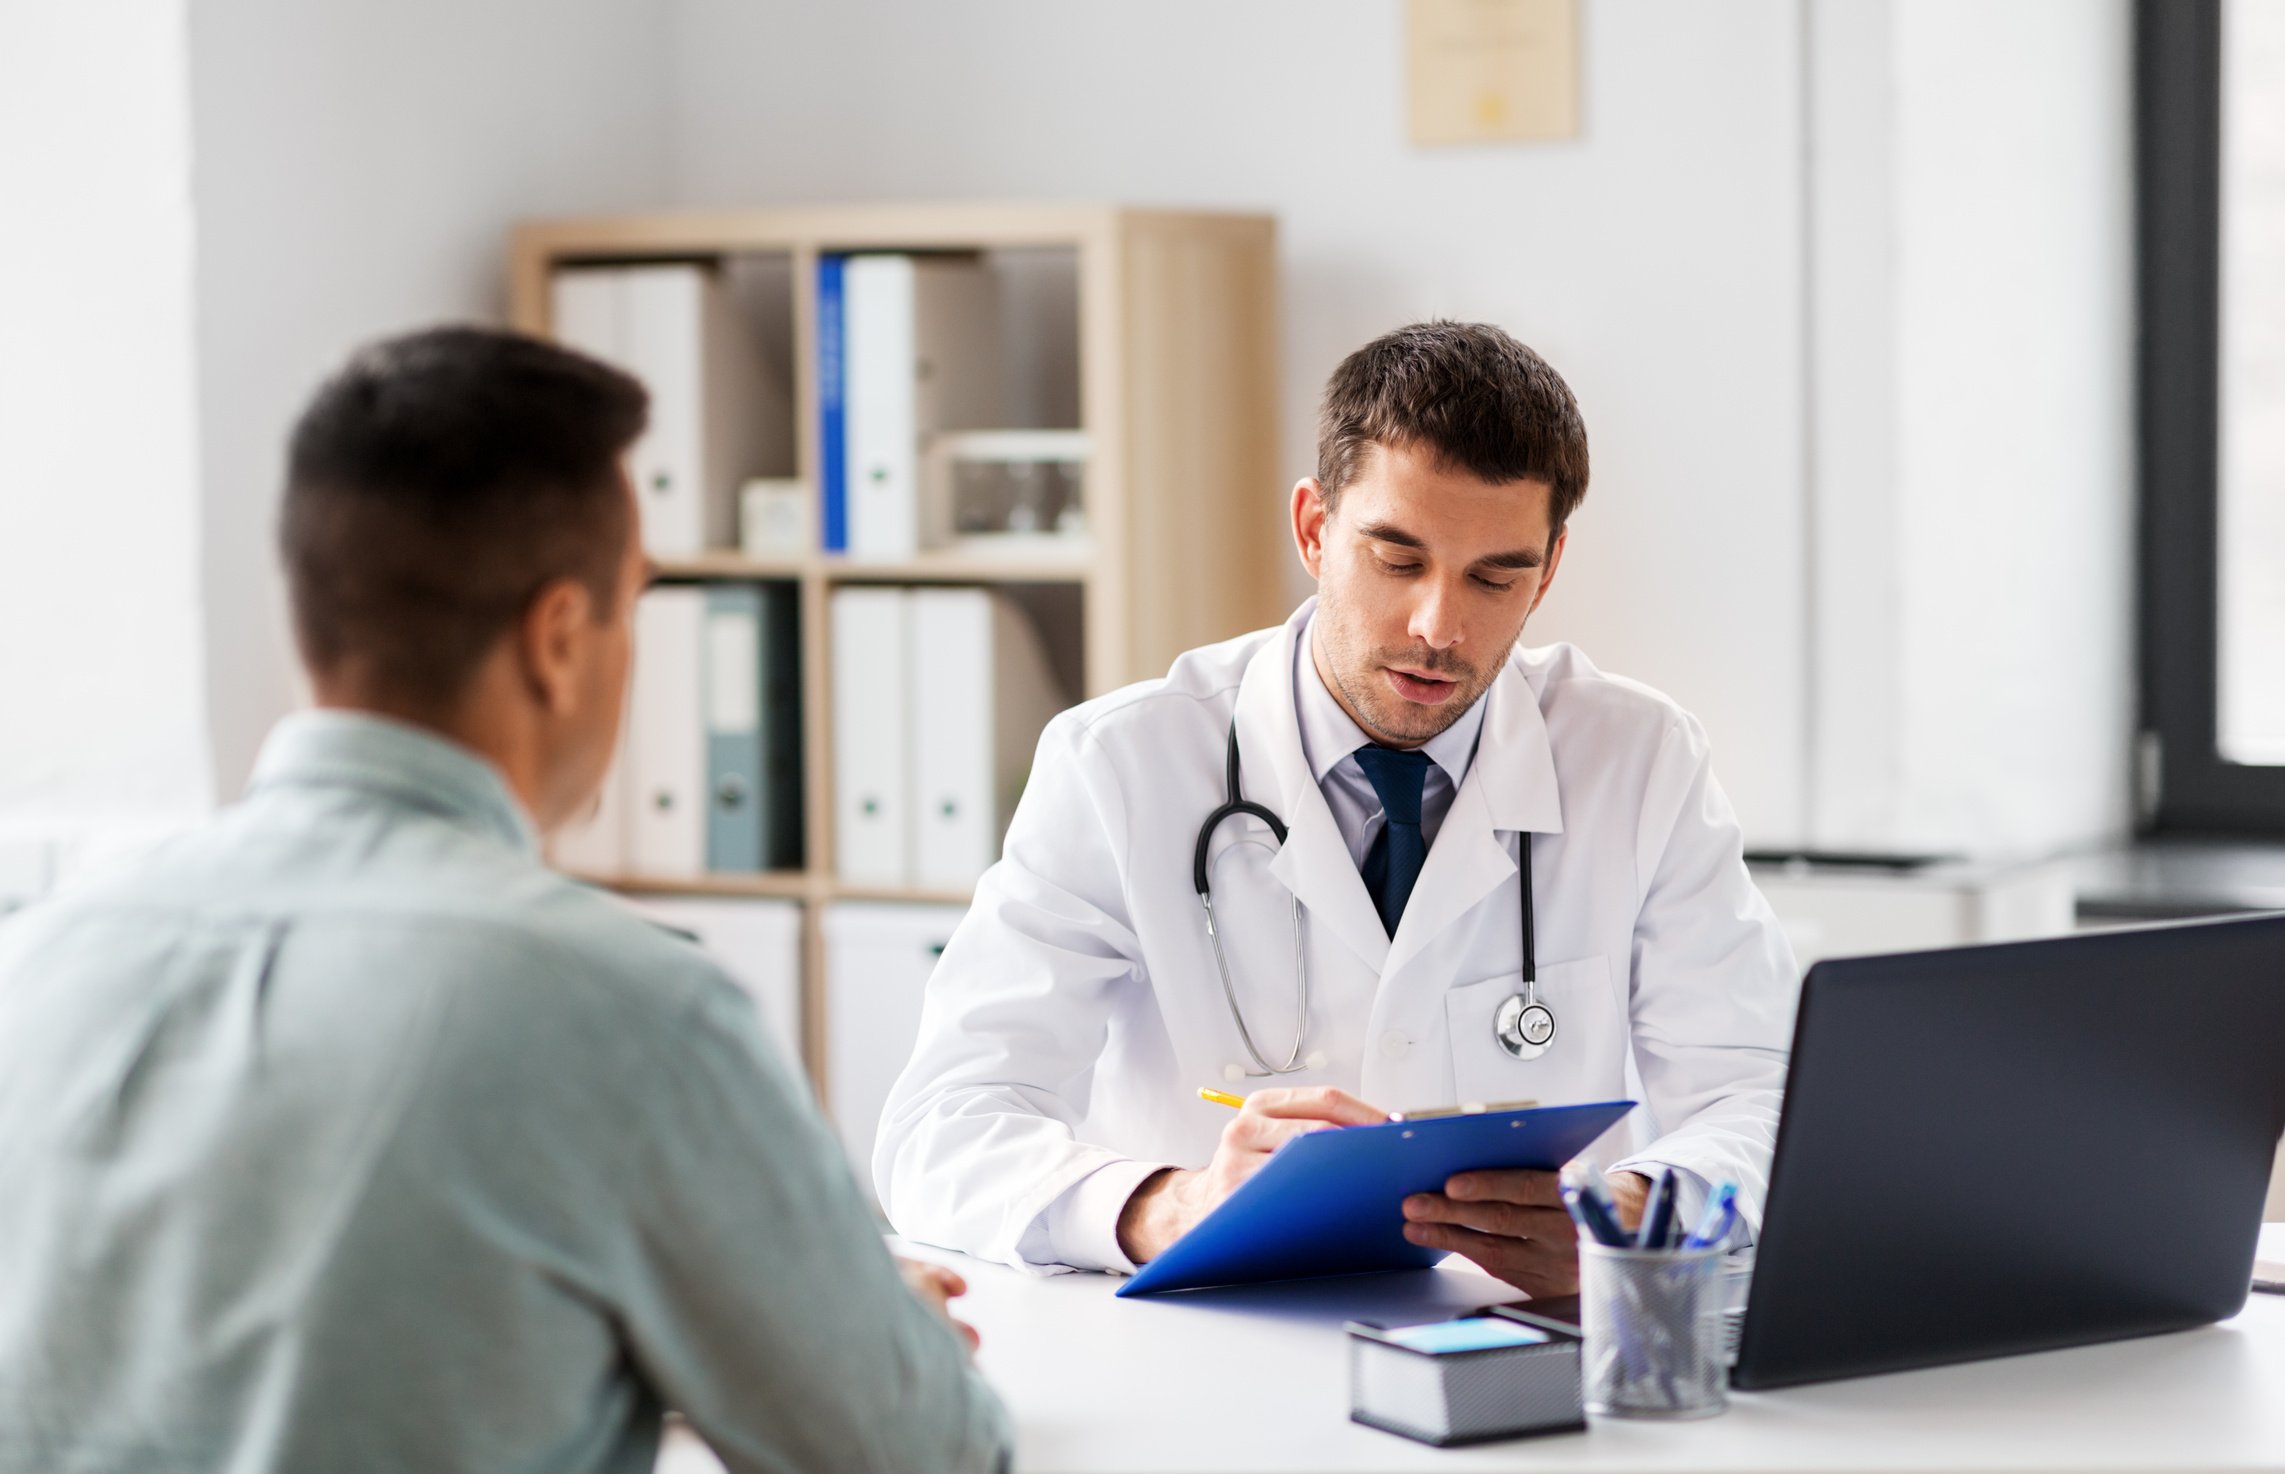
2188,787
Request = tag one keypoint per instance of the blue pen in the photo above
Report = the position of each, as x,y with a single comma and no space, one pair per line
1715,1223
1593,1213
1658,1214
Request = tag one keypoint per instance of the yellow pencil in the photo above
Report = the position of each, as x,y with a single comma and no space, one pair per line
1222,1097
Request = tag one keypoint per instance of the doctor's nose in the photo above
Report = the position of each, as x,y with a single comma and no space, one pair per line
1435,620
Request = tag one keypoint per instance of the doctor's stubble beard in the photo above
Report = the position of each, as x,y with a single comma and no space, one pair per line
1387,717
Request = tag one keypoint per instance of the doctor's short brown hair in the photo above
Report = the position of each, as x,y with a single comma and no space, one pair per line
1466,393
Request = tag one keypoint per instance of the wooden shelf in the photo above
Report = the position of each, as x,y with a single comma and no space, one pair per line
914,895
796,885
1048,565
728,563
690,235
792,885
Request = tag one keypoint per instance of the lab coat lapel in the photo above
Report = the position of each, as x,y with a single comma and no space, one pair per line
1510,786
1314,862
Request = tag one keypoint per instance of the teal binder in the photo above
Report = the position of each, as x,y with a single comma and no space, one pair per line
1331,1202
752,682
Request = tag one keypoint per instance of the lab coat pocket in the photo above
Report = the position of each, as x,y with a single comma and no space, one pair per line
1586,1060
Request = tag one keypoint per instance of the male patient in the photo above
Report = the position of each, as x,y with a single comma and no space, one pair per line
341,1135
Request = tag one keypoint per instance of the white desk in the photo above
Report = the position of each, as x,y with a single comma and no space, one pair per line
1258,1380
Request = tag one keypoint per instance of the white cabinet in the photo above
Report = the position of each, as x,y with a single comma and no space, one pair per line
758,943
878,958
1850,910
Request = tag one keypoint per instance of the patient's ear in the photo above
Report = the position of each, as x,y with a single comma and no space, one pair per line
550,643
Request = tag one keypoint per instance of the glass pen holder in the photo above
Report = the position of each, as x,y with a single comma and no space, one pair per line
1653,1324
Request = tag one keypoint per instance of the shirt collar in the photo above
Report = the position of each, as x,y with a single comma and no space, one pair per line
356,749
1329,734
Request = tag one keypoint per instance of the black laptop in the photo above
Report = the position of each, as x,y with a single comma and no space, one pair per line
1992,1150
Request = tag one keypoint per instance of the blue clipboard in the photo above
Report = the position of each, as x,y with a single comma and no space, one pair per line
1332,1202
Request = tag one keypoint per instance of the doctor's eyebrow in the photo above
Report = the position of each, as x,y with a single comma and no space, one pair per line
1387,532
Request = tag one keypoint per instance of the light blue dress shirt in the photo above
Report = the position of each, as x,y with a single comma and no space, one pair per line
341,1135
1330,738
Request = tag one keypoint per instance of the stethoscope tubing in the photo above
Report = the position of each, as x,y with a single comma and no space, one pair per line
1235,805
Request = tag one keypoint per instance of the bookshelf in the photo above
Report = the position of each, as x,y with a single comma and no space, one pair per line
1175,353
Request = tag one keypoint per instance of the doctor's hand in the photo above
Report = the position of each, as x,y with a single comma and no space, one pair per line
1512,1224
936,1286
1167,1204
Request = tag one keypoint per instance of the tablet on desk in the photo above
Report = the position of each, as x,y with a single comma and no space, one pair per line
1332,1202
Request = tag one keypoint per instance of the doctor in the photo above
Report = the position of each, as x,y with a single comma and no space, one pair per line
1431,776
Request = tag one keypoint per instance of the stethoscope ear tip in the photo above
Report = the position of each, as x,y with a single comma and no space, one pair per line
1316,1060
1233,1072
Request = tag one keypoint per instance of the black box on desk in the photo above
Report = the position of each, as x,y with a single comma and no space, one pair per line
1502,1374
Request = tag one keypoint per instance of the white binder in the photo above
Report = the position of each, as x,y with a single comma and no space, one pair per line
758,943
718,413
982,689
871,741
584,306
666,748
922,353
878,959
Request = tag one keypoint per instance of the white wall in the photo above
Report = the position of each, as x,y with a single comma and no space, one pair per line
1843,286
102,720
1972,422
358,166
1656,261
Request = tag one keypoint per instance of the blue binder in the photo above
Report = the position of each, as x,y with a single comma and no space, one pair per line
1332,1202
832,417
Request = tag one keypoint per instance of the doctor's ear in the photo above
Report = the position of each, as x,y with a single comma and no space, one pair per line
1547,574
1311,511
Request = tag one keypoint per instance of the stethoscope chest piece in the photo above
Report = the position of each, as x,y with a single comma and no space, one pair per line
1525,1026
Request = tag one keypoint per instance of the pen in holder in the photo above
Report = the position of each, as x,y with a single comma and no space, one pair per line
1651,1303
1652,1319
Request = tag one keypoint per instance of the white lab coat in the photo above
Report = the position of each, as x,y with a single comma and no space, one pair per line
1077,1008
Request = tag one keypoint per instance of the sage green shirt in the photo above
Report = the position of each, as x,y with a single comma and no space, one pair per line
341,1135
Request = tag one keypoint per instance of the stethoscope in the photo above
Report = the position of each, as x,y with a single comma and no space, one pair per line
1524,1026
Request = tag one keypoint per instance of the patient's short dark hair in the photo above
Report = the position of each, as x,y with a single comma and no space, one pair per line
1469,395
435,485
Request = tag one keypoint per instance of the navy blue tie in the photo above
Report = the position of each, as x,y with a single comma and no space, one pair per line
1393,863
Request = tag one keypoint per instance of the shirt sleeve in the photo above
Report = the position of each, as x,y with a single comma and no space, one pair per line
1713,984
978,1148
759,1297
1083,1225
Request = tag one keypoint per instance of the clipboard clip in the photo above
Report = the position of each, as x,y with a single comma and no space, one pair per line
1472,1108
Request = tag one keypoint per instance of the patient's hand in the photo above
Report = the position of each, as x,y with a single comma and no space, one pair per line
937,1286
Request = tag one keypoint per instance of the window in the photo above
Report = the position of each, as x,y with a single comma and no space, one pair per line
2251,482
2211,201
